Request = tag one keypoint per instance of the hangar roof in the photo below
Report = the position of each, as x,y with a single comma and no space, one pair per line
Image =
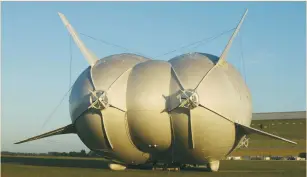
280,115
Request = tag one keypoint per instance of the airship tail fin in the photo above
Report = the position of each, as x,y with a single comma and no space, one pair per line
250,130
64,130
222,58
225,52
88,55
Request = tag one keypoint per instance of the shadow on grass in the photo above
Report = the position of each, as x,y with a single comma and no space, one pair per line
78,163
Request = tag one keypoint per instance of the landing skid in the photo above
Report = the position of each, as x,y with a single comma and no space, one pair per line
166,168
212,166
117,167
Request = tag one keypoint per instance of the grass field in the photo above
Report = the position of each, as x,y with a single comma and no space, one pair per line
71,167
293,129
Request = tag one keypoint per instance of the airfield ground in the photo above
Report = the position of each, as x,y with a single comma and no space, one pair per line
293,129
85,167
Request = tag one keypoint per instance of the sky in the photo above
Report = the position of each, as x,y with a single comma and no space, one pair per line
270,53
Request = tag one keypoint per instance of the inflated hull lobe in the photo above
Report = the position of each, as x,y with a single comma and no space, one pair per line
90,129
149,126
97,132
107,130
210,141
206,140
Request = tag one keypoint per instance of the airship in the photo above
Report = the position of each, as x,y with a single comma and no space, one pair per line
192,109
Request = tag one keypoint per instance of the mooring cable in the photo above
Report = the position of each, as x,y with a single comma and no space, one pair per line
200,42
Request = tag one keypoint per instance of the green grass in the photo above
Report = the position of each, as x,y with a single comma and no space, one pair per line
288,128
258,145
293,129
51,157
228,168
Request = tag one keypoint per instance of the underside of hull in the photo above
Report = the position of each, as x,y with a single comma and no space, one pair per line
213,138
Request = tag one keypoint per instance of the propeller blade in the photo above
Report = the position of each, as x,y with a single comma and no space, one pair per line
93,105
88,55
179,105
93,93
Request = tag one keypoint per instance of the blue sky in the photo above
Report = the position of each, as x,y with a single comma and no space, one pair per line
35,54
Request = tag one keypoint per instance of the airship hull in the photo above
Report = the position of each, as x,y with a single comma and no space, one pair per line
144,130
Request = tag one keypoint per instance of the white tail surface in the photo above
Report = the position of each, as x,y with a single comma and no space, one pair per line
88,55
251,130
225,52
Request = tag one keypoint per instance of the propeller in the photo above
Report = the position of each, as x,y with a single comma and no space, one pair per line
188,98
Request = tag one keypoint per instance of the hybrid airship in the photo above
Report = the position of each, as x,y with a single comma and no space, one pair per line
192,109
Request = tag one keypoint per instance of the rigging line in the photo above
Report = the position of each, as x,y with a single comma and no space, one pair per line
55,109
70,62
196,42
114,45
242,57
70,86
211,39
